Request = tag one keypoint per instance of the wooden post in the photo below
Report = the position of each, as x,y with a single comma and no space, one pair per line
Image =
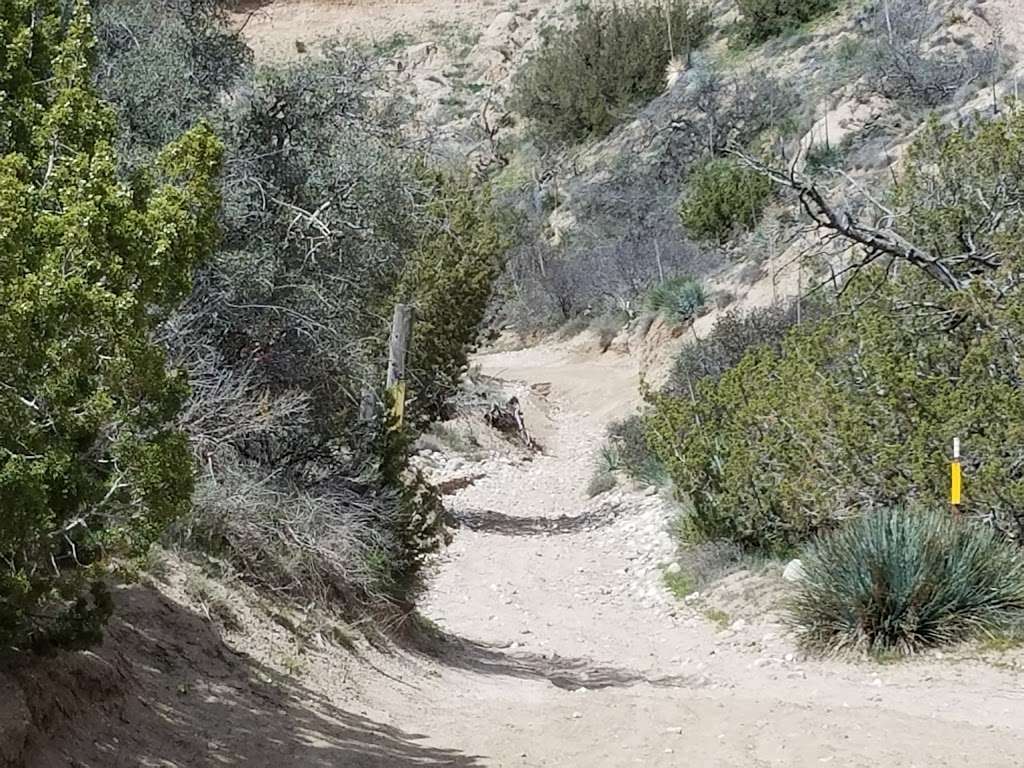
398,346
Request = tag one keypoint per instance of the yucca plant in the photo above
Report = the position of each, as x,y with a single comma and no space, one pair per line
677,299
902,581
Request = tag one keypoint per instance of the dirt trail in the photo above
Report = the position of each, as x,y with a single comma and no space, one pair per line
560,646
571,653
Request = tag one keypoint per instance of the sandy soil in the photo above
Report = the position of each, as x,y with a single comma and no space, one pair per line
559,663
556,645
274,28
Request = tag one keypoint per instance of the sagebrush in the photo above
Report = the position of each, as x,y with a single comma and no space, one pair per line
583,79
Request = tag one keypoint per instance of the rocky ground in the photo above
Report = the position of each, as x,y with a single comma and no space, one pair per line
564,646
548,638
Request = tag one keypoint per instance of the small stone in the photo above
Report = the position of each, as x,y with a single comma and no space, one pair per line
794,571
673,569
577,715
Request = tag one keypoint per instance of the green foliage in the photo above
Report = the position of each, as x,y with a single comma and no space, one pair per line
678,299
903,581
723,197
91,464
822,157
448,280
582,79
763,19
163,64
856,411
329,218
680,583
634,456
733,335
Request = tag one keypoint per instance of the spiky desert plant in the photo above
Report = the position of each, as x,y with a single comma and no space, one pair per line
677,299
902,581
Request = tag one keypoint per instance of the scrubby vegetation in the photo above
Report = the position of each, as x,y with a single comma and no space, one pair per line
774,433
92,465
723,197
207,309
733,335
905,580
762,19
678,299
635,457
901,62
856,410
582,79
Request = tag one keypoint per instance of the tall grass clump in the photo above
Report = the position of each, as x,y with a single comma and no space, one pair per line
677,299
582,79
902,581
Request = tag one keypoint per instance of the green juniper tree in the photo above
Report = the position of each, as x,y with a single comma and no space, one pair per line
91,466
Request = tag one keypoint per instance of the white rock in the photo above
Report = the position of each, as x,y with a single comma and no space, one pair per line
673,569
504,23
794,571
418,55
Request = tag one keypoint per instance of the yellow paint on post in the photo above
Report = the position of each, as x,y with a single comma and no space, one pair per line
398,403
954,490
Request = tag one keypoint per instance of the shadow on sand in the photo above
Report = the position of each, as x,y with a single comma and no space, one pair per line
489,521
564,672
164,690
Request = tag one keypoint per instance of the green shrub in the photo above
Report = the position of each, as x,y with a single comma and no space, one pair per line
762,19
92,465
329,217
723,197
582,79
903,581
633,453
732,336
678,299
448,279
855,411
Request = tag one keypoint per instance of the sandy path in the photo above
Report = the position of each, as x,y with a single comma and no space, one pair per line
572,654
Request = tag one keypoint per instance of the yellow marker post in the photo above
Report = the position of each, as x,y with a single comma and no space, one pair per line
955,476
398,403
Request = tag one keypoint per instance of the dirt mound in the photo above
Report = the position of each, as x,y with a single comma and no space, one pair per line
165,690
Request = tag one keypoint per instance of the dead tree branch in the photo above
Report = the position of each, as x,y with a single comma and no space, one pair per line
876,241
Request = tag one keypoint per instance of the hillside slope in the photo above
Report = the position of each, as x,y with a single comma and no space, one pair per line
547,635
